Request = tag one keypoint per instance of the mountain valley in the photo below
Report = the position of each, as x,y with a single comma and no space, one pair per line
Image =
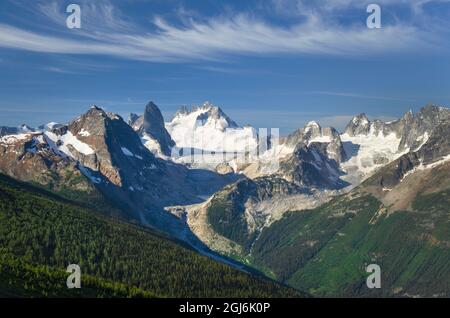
309,210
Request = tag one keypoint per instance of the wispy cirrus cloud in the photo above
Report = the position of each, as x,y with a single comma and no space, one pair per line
107,31
363,96
98,16
55,69
302,6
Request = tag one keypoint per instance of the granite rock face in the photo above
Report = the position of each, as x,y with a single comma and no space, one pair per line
410,128
314,133
359,125
150,126
102,152
129,163
311,166
434,150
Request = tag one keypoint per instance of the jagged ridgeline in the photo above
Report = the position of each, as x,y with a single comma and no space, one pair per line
395,211
377,193
41,233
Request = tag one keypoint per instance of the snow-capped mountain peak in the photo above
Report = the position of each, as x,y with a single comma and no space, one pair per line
359,125
206,115
207,129
361,119
312,123
312,127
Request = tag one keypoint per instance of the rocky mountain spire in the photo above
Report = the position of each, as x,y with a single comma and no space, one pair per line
153,127
314,133
359,125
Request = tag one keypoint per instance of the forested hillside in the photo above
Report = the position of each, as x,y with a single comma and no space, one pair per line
325,251
40,234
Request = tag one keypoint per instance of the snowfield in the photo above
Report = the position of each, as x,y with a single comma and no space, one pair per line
12,139
367,153
206,141
59,144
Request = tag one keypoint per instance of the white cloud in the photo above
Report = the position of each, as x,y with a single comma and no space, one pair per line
108,32
96,16
60,70
299,6
363,96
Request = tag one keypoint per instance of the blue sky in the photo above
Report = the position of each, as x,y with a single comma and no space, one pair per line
269,63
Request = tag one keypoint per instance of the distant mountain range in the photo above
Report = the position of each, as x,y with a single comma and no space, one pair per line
333,202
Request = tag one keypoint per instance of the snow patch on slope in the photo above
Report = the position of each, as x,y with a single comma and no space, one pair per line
422,139
367,153
128,153
84,133
422,167
59,143
12,139
323,138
